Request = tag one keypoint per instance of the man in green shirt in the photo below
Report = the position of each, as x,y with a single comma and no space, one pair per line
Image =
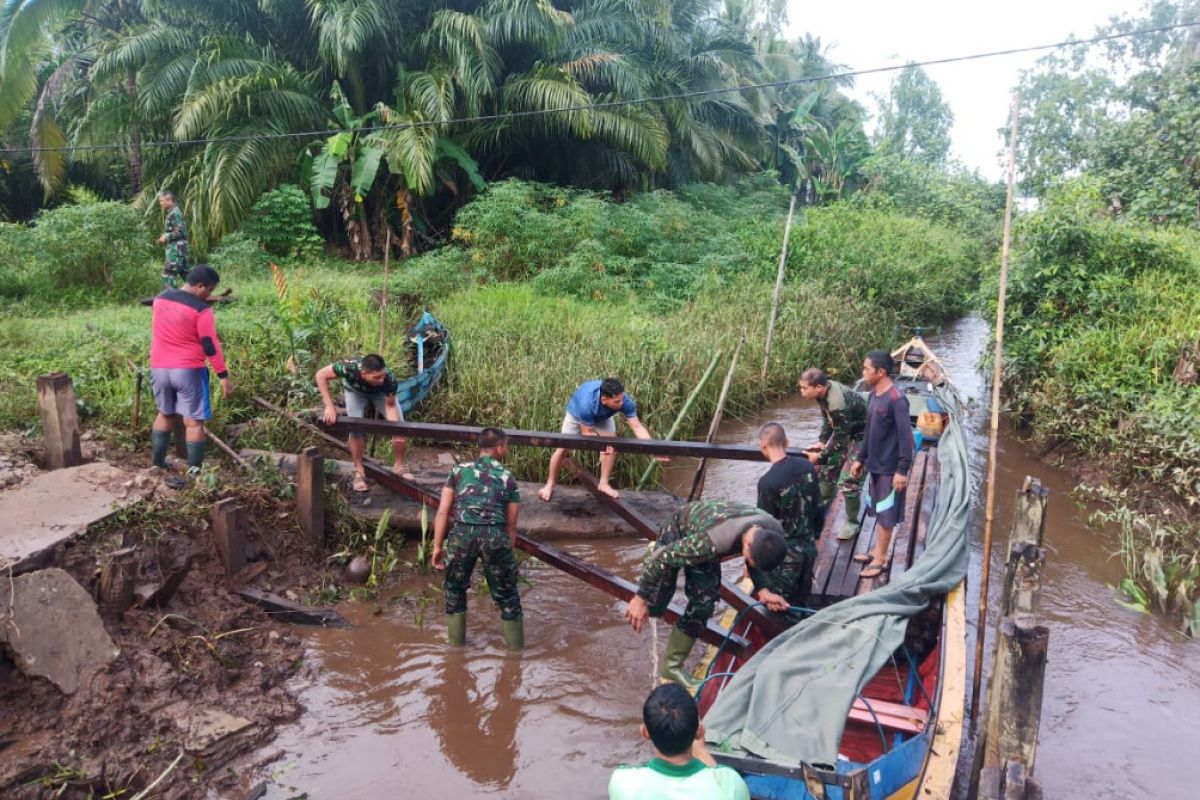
174,240
682,767
483,499
366,382
845,419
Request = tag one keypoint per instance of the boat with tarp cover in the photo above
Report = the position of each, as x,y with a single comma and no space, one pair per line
427,348
864,696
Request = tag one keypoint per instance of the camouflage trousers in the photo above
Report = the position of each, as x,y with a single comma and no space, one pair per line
701,586
793,578
464,546
175,263
836,470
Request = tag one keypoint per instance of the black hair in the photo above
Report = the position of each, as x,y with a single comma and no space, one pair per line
203,275
773,434
814,376
490,438
881,359
373,363
767,549
611,387
166,194
671,718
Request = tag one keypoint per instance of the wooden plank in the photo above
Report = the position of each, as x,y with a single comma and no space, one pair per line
470,434
891,716
310,495
771,624
283,609
60,424
934,479
849,584
942,762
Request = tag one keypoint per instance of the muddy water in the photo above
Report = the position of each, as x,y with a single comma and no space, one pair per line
392,713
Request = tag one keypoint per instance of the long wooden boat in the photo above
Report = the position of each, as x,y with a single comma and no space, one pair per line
427,350
903,733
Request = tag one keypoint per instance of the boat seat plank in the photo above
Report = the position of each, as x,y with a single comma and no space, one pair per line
892,716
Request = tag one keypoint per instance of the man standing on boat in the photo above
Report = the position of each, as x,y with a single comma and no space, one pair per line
484,501
789,492
696,539
886,454
591,412
366,382
845,418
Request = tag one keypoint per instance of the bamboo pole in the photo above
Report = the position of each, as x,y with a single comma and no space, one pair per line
698,481
997,355
687,406
783,253
383,297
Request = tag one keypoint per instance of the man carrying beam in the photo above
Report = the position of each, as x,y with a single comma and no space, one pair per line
484,501
366,381
591,412
696,539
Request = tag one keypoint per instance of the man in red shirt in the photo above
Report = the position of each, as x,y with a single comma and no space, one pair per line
183,342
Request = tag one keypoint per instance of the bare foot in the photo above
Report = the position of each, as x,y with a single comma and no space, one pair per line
402,472
546,492
608,490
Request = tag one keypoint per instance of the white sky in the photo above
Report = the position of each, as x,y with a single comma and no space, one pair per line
872,33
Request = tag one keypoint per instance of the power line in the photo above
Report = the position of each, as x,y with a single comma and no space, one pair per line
512,115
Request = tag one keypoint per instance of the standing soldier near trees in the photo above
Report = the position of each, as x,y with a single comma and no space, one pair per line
845,414
484,500
174,240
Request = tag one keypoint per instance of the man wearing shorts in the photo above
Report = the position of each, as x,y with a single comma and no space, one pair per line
366,382
183,342
886,453
591,412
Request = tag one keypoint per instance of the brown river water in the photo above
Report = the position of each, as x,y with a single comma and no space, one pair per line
394,713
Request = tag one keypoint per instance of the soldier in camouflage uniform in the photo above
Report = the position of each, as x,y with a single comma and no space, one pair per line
789,492
696,539
845,414
174,239
483,500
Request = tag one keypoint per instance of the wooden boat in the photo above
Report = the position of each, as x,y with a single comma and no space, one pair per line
428,348
902,734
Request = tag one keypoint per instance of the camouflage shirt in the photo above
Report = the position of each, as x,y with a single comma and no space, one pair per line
683,539
482,491
845,413
350,371
790,492
174,227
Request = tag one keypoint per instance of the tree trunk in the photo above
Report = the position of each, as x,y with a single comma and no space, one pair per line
404,199
135,141
356,230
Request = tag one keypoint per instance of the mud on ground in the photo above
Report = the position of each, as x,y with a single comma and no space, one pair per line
205,675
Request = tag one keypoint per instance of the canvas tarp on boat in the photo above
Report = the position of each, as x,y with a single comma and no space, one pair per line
789,703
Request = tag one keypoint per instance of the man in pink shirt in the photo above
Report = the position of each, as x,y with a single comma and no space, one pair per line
183,342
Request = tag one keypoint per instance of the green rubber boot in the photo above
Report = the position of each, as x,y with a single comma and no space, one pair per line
679,647
514,633
827,490
850,529
456,628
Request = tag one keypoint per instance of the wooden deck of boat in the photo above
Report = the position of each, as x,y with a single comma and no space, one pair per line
837,575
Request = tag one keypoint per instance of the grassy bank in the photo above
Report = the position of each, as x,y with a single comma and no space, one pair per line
1103,322
542,288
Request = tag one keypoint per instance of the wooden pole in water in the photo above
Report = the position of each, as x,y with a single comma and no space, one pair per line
698,481
383,297
787,232
687,406
997,355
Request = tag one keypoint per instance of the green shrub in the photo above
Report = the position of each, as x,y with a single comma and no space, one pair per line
239,255
93,245
281,221
15,265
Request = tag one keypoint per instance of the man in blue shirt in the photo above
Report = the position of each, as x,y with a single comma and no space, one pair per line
591,412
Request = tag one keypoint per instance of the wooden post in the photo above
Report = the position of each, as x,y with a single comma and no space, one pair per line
310,494
687,406
783,253
1029,514
698,480
1015,707
60,425
1023,581
228,521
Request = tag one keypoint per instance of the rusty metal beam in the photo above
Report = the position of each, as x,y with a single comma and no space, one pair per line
470,434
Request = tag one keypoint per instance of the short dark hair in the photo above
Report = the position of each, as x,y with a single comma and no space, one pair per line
815,376
671,718
203,275
773,434
165,194
611,387
490,438
881,359
767,549
373,363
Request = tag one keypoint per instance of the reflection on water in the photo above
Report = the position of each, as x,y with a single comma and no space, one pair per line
393,713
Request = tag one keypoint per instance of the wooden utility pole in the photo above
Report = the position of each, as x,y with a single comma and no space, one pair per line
60,424
997,360
783,254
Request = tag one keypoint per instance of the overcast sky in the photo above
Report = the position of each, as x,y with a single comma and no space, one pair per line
872,33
